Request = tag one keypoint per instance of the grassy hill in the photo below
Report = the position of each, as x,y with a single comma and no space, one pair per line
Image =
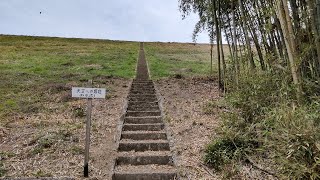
31,67
38,117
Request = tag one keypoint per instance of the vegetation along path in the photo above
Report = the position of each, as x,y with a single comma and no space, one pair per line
143,151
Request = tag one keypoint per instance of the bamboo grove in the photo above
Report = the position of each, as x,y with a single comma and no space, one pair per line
262,35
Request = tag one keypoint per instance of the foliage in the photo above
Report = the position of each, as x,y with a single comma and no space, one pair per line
265,121
295,139
224,150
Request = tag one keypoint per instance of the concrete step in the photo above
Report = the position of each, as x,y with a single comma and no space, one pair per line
144,135
144,145
145,158
145,172
141,98
141,81
138,92
143,89
141,108
143,127
142,120
142,103
142,113
142,86
143,95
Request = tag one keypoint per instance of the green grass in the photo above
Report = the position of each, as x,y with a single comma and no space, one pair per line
29,64
33,69
168,59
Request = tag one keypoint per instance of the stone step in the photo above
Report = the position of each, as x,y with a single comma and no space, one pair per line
144,135
142,113
145,172
145,158
143,127
142,120
144,145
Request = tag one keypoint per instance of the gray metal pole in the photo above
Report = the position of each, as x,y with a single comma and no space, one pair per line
88,126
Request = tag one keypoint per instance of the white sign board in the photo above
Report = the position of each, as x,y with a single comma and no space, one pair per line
81,92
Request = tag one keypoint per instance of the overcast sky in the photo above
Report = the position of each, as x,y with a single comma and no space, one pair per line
134,20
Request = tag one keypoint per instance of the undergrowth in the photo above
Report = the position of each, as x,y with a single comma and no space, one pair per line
265,122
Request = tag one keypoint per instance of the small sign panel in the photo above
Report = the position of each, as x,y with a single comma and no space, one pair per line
95,93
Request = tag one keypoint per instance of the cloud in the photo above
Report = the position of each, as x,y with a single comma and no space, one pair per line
135,20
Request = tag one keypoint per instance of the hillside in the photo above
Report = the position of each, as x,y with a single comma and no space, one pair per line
42,127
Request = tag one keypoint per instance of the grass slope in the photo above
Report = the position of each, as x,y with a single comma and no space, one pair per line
29,64
168,59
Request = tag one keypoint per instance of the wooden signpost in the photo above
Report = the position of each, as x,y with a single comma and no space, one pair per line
89,94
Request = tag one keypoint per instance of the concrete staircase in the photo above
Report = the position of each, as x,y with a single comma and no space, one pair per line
143,151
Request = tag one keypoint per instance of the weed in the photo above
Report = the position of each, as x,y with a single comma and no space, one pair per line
41,173
223,151
3,171
76,150
79,112
177,76
209,107
266,121
49,139
6,155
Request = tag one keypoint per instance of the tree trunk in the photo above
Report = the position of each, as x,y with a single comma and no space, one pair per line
256,41
318,16
235,49
245,30
218,44
224,67
313,23
286,25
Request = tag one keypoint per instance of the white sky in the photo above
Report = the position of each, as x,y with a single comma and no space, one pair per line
134,20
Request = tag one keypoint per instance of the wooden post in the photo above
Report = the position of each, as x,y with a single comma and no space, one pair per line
87,143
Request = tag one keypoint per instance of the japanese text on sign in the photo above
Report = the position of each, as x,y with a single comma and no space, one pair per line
81,92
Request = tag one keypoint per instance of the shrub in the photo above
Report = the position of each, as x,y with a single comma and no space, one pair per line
266,120
223,151
295,140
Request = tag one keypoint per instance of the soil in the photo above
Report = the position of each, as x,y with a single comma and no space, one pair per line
52,143
191,129
61,135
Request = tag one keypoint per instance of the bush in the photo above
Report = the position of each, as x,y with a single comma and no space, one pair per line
223,151
265,121
295,140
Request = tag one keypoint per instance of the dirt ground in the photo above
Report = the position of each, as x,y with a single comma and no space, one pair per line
52,143
190,127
